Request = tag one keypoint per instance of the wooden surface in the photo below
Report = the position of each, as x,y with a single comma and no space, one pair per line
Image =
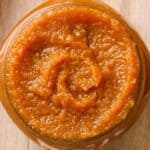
137,12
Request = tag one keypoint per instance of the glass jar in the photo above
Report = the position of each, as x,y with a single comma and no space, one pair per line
96,142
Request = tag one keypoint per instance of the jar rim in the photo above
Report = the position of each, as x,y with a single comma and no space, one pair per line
131,116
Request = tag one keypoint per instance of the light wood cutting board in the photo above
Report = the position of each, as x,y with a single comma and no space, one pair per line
137,12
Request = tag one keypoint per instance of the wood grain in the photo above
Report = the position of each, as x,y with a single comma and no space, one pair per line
137,13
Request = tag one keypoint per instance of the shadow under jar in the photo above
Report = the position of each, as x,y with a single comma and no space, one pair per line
74,75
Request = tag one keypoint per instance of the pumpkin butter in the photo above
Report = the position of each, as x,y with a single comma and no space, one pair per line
72,73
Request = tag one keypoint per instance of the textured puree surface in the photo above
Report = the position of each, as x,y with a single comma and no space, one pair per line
72,76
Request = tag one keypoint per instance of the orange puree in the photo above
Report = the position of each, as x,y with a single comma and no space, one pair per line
72,73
